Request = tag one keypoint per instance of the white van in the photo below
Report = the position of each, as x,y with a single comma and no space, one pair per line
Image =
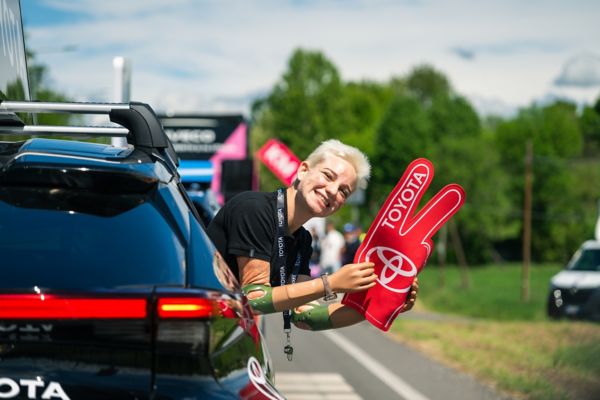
575,291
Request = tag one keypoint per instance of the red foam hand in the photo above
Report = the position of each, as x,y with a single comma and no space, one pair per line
399,242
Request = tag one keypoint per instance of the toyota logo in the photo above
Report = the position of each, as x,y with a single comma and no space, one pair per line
395,265
259,380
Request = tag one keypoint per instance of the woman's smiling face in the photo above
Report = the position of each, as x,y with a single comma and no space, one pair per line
326,185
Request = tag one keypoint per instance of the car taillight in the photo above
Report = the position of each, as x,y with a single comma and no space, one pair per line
44,306
182,321
188,324
188,307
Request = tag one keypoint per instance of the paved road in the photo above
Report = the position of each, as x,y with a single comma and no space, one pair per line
360,362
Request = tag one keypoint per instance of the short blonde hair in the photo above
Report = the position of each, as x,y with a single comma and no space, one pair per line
354,156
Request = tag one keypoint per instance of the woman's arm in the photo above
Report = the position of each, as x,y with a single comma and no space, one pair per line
314,316
254,277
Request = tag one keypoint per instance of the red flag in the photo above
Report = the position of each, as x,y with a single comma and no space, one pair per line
280,160
399,242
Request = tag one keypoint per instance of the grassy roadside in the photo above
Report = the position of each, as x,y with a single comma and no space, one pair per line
504,342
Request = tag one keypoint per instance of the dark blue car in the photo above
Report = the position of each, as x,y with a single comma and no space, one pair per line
110,288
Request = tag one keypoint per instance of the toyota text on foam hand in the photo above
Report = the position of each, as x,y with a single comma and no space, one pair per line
415,184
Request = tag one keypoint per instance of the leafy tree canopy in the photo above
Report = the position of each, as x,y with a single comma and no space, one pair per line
420,115
426,83
40,89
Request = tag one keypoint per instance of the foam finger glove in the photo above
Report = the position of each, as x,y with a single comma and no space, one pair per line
399,242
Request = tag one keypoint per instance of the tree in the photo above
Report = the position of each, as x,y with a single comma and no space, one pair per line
403,135
310,104
556,136
367,103
426,83
453,117
474,163
40,89
590,128
305,107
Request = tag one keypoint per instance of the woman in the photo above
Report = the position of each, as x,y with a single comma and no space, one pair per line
261,237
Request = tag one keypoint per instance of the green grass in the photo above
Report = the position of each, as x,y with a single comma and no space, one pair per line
505,342
494,291
584,356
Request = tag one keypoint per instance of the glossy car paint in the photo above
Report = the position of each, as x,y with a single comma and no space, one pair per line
76,356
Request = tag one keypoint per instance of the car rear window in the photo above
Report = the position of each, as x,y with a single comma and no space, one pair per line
78,249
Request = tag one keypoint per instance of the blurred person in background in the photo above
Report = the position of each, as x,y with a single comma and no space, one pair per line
331,249
352,234
314,263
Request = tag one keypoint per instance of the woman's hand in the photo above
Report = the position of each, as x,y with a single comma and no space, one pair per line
353,278
412,296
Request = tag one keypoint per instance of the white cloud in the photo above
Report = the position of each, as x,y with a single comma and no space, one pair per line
582,70
492,106
216,54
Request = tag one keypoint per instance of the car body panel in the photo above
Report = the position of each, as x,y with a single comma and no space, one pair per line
83,358
54,152
577,279
59,240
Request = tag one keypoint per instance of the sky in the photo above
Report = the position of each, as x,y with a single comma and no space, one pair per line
218,56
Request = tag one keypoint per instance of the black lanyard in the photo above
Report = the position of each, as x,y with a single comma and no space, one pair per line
281,267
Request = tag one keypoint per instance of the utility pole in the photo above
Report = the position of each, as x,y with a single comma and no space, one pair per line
527,220
122,89
597,235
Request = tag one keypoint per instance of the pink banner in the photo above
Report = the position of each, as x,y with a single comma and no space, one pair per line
399,242
280,160
234,148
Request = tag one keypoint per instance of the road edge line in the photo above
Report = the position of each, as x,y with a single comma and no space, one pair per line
392,380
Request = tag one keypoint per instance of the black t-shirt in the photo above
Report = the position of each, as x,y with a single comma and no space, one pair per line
247,226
